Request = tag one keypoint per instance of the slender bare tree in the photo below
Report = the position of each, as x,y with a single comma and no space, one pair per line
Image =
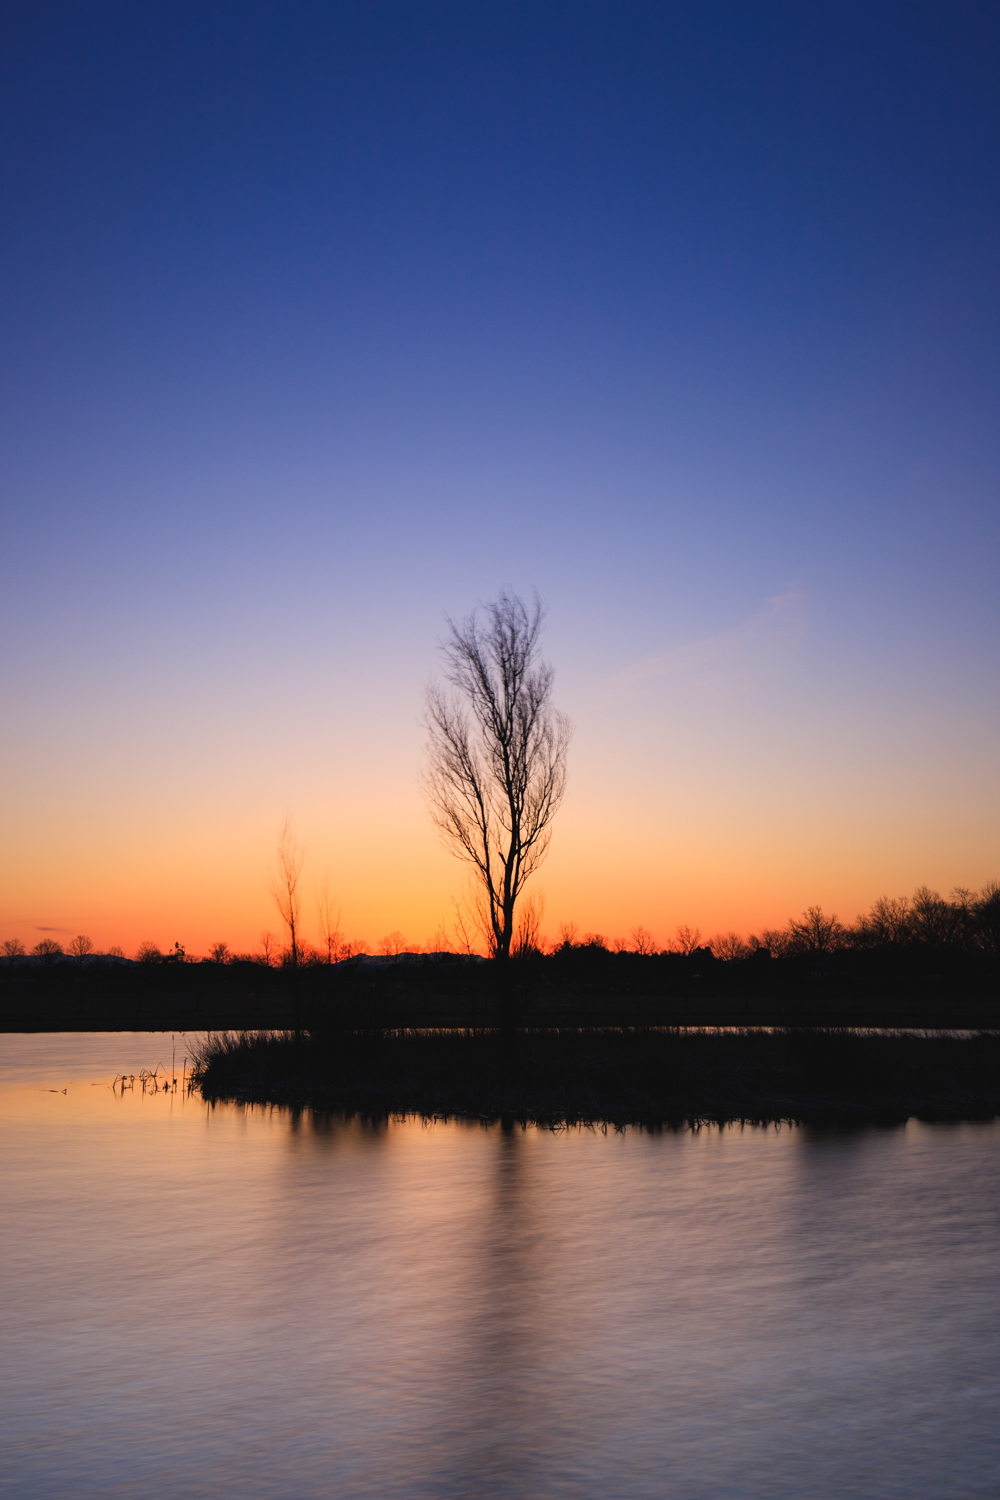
465,928
283,884
527,935
329,922
497,748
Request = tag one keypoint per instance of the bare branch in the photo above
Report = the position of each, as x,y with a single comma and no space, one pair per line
283,884
329,922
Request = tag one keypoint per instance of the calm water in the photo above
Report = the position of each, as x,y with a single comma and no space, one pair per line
217,1302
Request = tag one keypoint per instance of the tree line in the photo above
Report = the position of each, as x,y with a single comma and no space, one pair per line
966,923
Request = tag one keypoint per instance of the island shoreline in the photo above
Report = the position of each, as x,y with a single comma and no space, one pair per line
650,1077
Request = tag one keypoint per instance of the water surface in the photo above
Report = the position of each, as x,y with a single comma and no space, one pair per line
224,1302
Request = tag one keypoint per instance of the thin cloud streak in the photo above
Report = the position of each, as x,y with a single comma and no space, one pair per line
763,639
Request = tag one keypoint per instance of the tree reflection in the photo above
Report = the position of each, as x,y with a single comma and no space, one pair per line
497,1378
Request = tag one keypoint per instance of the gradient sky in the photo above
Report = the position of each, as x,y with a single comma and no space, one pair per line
323,321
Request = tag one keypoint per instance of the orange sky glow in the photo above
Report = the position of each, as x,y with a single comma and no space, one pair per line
708,786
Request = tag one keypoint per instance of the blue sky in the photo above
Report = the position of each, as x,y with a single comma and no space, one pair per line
321,321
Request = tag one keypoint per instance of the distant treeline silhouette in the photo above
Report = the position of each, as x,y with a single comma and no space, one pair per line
965,924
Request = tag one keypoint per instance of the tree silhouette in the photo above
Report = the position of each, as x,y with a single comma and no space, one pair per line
643,941
393,944
283,884
269,949
329,923
527,935
729,945
686,939
815,933
496,755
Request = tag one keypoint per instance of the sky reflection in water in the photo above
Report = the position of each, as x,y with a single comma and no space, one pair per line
224,1302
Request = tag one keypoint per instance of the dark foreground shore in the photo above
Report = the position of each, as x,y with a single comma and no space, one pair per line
615,1076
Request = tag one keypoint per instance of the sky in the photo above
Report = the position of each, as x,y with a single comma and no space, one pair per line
324,322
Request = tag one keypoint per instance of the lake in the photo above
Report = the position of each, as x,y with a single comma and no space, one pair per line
231,1302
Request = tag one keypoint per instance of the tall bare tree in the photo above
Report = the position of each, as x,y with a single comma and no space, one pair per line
283,884
497,748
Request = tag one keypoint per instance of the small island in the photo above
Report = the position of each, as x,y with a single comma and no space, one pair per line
602,1076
